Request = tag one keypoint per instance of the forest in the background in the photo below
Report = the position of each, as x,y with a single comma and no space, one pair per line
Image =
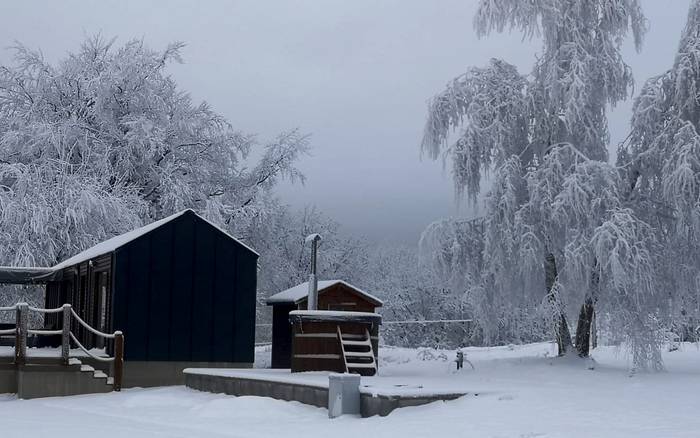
570,245
105,141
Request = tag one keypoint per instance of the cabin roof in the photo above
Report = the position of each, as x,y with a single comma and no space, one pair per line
300,292
22,275
116,242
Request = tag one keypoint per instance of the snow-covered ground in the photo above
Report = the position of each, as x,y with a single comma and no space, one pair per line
523,392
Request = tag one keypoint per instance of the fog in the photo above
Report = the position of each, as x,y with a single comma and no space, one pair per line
355,75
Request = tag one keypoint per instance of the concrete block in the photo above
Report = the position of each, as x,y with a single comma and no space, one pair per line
8,379
343,394
163,373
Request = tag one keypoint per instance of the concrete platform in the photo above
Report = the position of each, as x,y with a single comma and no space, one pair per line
378,395
136,373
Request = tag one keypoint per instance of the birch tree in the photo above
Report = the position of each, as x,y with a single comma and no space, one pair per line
544,137
662,163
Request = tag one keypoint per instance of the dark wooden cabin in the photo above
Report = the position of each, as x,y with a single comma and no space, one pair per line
181,289
332,295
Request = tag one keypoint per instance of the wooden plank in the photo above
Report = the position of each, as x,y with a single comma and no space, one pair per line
202,299
181,314
159,292
138,302
224,301
121,282
245,305
281,336
318,356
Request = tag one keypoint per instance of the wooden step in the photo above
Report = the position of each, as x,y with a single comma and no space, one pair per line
362,365
362,362
359,354
351,336
361,343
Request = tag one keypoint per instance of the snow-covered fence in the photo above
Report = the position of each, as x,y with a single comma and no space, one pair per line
436,333
22,330
263,334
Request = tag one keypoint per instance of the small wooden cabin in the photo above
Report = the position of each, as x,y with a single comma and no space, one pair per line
333,295
181,289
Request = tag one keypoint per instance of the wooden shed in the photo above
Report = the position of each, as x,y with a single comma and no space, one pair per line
182,290
333,295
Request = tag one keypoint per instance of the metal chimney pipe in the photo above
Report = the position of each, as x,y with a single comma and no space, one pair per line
313,280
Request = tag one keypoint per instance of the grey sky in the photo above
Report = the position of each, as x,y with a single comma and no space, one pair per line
355,74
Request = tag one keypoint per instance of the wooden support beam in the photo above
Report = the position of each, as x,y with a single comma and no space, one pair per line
118,360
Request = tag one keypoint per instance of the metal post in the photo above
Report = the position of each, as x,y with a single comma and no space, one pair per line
65,336
118,360
21,340
313,280
18,333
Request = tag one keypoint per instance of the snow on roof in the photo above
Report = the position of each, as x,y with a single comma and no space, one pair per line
301,291
22,275
118,241
334,315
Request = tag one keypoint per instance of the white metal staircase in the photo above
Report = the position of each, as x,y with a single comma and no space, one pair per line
358,353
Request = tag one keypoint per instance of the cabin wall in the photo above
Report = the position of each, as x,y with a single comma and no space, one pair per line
336,297
186,292
281,336
341,297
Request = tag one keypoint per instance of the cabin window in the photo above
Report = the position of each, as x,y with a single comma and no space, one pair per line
103,307
342,306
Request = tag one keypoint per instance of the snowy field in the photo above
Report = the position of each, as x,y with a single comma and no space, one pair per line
522,392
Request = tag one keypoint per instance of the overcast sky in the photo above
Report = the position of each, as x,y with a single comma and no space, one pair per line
354,74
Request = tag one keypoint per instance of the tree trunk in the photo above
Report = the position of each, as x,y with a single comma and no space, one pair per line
562,327
584,327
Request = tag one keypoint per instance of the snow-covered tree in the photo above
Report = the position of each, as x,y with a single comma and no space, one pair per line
105,140
662,163
544,138
453,256
281,237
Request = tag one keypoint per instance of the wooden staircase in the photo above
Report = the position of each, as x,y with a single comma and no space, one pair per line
50,377
65,374
358,353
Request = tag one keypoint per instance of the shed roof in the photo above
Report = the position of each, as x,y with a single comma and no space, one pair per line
118,241
300,292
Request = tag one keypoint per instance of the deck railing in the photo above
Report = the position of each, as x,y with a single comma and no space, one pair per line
21,331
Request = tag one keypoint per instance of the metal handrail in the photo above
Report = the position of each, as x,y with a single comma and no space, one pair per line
92,330
8,309
8,331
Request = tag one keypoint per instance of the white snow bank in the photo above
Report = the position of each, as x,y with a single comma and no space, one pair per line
524,392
